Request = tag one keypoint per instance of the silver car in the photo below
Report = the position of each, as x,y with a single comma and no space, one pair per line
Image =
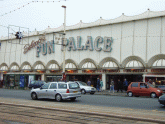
57,90
85,88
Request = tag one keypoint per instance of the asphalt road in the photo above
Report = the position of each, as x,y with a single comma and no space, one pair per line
97,100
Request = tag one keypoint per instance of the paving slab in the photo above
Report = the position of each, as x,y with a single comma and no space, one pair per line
152,115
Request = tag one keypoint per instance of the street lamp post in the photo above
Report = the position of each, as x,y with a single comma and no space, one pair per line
64,76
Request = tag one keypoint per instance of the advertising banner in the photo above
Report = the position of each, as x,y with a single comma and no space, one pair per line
31,78
22,81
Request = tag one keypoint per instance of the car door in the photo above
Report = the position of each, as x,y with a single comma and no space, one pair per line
43,93
74,87
52,90
62,88
135,88
144,91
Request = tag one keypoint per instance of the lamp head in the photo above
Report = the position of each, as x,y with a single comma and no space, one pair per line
63,6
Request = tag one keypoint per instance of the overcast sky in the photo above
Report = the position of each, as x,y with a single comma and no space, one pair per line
38,15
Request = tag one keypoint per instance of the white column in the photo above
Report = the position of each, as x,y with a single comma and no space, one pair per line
104,81
143,77
43,77
1,76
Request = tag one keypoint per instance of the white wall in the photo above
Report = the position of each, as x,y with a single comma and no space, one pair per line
121,47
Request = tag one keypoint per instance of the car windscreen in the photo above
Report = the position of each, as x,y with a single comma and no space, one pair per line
73,86
82,83
62,86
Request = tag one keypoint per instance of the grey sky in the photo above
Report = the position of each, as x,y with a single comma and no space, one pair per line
41,15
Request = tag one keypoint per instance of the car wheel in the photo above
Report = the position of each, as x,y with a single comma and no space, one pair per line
34,96
153,95
58,98
92,93
83,91
130,94
73,99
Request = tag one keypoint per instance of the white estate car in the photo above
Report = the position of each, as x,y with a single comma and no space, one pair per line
57,91
85,88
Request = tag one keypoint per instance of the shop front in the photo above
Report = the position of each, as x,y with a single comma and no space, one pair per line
19,81
129,77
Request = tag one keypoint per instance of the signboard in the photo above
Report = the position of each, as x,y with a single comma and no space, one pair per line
111,70
134,70
98,44
22,81
31,78
157,70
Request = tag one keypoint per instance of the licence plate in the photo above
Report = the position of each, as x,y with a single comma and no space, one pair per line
74,91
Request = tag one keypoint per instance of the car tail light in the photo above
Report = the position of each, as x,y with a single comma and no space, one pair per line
67,91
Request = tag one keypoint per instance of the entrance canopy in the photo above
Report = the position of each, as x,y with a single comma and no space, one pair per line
39,67
26,68
53,67
70,66
4,68
14,68
110,65
159,63
134,64
88,65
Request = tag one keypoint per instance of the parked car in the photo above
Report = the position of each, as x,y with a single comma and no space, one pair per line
36,84
85,88
143,89
162,100
57,90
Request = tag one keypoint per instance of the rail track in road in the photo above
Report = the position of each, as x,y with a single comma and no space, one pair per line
38,115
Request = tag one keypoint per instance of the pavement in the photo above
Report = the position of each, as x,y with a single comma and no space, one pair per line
153,116
106,92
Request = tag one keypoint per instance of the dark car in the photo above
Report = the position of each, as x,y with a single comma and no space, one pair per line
143,89
36,84
162,100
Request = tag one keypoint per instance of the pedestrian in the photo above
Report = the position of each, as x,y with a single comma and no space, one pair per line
101,85
150,81
153,83
98,85
89,83
120,86
125,84
111,86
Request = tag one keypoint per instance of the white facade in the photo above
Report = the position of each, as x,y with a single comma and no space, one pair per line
137,43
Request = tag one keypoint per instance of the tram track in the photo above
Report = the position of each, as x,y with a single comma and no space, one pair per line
53,115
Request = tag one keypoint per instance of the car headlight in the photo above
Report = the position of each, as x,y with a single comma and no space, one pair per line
158,90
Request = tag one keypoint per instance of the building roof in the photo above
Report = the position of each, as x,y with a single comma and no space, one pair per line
99,22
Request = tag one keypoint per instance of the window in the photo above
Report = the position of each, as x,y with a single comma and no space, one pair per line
73,86
82,83
53,86
143,85
45,86
62,86
134,85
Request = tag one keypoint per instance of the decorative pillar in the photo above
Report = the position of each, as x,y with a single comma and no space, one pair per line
43,77
104,81
1,76
143,77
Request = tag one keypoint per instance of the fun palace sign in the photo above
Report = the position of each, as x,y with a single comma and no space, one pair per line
43,47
